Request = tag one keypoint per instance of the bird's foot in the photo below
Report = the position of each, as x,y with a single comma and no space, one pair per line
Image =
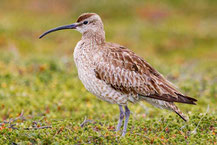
118,128
124,133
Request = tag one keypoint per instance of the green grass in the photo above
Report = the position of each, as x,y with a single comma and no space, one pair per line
42,101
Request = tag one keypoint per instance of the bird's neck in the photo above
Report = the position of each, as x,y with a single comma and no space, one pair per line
97,37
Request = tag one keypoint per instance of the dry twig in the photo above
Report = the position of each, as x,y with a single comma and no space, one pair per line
86,121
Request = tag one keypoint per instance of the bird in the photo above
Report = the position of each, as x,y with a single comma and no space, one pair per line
116,74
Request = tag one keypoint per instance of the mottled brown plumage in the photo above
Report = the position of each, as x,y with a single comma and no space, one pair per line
116,74
131,74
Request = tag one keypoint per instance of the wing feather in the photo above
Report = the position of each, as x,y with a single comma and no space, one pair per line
131,74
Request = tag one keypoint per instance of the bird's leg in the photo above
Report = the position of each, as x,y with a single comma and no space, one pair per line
121,117
127,115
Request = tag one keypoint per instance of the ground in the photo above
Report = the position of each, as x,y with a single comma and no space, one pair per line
42,100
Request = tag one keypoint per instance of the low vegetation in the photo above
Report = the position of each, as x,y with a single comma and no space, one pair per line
42,101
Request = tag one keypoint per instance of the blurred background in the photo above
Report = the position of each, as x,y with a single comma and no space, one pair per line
177,37
180,30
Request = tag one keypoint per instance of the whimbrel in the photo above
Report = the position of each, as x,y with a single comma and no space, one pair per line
116,74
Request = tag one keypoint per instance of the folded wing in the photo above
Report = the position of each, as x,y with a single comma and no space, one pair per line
131,74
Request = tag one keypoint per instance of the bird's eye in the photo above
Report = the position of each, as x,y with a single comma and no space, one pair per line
85,22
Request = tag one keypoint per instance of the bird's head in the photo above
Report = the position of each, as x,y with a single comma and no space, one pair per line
87,22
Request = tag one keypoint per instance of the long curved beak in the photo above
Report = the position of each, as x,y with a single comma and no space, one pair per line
72,26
